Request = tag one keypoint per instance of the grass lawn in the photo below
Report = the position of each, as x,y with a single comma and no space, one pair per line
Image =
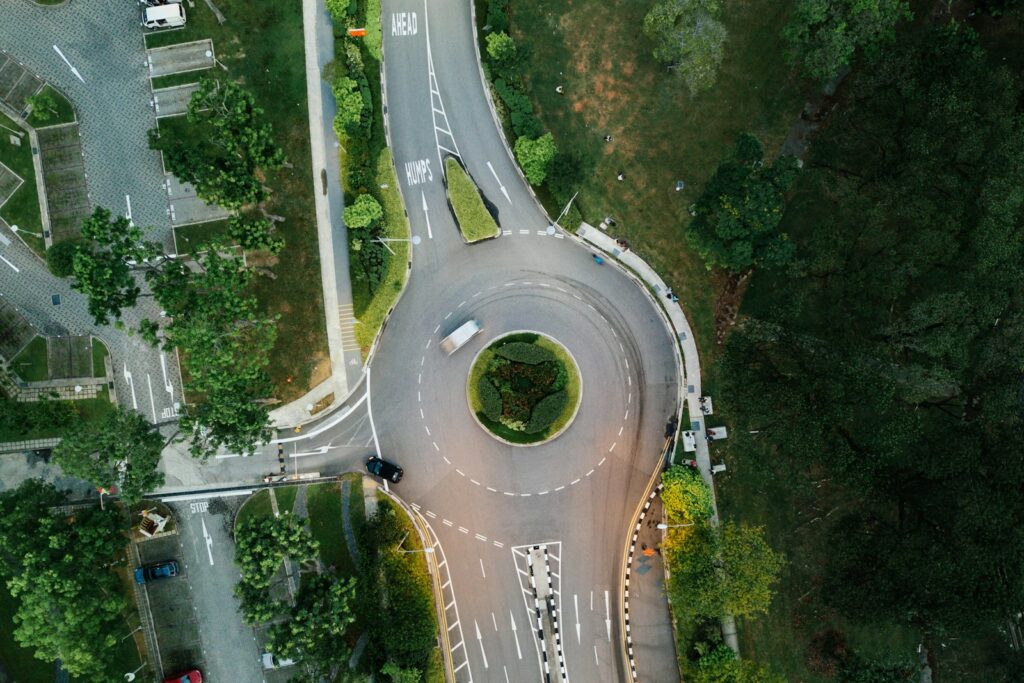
31,364
188,239
475,221
22,208
371,308
258,505
660,133
181,79
99,358
261,44
63,113
325,521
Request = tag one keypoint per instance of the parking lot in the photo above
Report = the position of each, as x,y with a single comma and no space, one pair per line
171,605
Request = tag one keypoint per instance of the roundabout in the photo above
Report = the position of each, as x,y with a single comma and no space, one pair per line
524,388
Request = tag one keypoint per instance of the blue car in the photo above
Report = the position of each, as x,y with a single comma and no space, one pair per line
153,572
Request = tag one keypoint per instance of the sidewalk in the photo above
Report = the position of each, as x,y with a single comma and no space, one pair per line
691,365
650,619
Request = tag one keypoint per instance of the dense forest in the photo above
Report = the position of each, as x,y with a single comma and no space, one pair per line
885,360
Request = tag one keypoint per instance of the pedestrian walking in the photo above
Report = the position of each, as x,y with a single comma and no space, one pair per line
607,138
560,90
621,176
598,260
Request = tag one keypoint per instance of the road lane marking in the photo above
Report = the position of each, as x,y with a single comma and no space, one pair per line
209,540
485,576
131,385
576,605
607,616
426,215
503,190
480,639
512,617
70,65
14,267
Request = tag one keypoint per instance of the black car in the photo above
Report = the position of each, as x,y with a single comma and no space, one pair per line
384,469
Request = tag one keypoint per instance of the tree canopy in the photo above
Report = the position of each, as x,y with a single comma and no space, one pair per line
737,216
314,632
825,36
888,358
121,450
535,157
58,564
228,142
690,38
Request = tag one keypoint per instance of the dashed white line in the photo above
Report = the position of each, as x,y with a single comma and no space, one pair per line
436,448
620,430
436,329
463,530
446,459
574,482
427,428
447,522
613,446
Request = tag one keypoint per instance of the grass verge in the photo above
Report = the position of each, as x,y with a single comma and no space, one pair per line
171,80
188,239
22,207
89,410
99,358
660,133
475,221
63,112
31,364
261,44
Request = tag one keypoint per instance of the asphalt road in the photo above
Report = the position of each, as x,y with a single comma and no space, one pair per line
481,497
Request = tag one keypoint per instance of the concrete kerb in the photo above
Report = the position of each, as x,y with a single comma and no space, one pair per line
37,167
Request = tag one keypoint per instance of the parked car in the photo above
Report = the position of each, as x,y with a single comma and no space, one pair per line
171,15
153,572
384,469
192,676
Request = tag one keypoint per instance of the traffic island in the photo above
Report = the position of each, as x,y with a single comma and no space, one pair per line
524,389
471,213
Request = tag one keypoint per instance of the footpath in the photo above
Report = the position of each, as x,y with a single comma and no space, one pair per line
637,268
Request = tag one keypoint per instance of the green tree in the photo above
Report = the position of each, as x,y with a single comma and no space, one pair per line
44,107
502,52
737,216
314,633
228,144
261,545
825,36
59,565
60,258
690,37
121,450
365,212
721,666
215,322
685,495
399,675
535,157
726,569
341,9
103,265
255,232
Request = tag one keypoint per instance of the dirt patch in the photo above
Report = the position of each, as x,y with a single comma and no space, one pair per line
730,288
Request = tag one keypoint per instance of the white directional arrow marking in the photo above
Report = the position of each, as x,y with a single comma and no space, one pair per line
607,616
131,385
503,190
70,66
576,604
513,618
209,541
480,639
426,214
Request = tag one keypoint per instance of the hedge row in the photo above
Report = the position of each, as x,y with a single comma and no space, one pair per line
490,399
475,221
521,352
546,412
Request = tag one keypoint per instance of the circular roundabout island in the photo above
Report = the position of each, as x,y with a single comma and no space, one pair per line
524,388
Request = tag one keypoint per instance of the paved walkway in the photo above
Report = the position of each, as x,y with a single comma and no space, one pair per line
691,364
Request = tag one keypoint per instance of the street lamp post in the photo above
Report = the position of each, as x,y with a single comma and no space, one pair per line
421,550
564,211
384,240
674,526
16,229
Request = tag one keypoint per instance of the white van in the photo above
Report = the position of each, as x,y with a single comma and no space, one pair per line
171,15
454,341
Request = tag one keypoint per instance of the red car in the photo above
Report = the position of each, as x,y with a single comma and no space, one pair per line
193,676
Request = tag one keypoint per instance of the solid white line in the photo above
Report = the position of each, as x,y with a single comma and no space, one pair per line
330,423
369,411
128,213
494,618
485,576
152,403
10,264
595,657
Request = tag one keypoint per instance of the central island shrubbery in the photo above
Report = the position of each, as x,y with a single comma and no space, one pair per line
524,388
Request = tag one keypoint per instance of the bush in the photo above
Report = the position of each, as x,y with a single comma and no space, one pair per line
497,15
475,221
366,212
521,352
490,399
349,120
60,257
546,412
520,110
535,157
502,53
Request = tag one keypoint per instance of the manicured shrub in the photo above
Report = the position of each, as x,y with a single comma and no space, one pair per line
535,157
490,399
497,15
546,412
522,352
60,257
520,110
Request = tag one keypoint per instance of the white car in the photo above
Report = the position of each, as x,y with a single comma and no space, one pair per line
170,15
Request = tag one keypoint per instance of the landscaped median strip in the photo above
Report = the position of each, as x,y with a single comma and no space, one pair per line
475,221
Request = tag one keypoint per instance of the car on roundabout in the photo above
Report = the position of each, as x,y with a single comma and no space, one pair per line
384,469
